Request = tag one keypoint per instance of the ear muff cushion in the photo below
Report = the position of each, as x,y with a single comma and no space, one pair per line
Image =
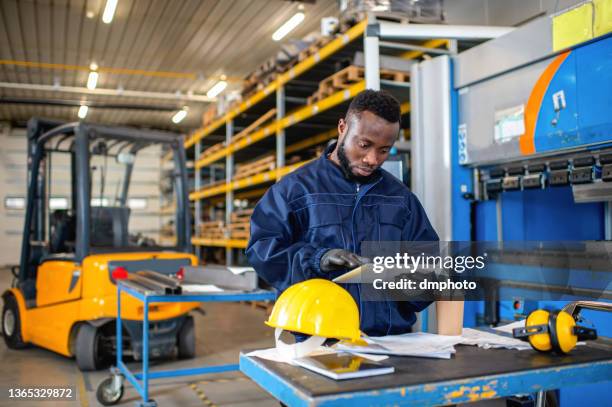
540,342
564,329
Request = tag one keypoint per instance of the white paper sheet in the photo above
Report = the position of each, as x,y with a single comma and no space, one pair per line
297,349
201,288
418,344
428,345
509,327
489,340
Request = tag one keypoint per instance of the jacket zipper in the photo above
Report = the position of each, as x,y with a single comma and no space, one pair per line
354,248
357,198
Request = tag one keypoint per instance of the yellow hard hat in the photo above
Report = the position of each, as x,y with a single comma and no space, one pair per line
317,307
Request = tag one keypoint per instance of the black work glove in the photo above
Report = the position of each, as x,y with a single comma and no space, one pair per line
339,259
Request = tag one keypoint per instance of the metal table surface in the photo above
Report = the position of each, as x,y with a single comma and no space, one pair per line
472,374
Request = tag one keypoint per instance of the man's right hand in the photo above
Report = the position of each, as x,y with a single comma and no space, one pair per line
340,259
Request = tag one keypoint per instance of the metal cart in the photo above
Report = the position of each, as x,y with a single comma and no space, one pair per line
111,389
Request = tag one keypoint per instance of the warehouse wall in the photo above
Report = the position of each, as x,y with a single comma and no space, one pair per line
500,12
12,184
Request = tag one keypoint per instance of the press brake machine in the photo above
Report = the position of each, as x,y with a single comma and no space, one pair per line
512,141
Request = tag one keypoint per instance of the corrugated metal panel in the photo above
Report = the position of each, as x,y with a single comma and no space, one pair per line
202,37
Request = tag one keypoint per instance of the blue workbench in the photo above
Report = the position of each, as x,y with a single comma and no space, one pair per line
472,374
140,381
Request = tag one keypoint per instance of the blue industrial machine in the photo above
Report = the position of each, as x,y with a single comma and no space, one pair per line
512,141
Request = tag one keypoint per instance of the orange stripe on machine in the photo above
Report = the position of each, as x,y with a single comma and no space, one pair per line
532,110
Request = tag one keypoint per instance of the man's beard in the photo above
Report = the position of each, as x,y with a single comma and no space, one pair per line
345,165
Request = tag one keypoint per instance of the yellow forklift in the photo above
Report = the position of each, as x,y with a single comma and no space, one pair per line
64,295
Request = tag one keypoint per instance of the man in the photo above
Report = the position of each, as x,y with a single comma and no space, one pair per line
311,223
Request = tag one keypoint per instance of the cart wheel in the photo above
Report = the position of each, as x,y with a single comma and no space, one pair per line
106,394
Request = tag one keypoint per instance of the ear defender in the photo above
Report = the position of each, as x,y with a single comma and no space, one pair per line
554,331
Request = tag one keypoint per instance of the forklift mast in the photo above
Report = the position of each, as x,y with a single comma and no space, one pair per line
81,138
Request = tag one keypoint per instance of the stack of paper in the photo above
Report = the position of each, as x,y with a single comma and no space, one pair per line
418,344
428,345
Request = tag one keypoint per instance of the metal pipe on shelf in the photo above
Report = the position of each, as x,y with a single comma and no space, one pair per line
150,284
160,278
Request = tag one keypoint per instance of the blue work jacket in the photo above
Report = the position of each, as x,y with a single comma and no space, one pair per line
316,208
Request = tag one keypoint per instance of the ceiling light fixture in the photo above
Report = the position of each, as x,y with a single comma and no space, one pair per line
288,26
217,88
92,80
83,111
180,115
109,11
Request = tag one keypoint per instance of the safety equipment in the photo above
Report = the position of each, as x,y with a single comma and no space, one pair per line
338,259
554,331
317,307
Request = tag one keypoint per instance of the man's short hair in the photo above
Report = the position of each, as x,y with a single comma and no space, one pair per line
379,102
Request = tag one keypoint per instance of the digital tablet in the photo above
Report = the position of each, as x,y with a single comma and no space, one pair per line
340,366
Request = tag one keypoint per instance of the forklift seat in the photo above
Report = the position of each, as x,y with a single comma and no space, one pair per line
109,226
63,232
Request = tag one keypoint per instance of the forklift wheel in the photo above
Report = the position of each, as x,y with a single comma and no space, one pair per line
11,324
88,349
106,394
186,339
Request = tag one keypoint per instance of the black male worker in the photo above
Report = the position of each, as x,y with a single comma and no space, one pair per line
311,223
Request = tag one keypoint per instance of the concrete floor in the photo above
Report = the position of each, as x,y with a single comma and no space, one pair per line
221,333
